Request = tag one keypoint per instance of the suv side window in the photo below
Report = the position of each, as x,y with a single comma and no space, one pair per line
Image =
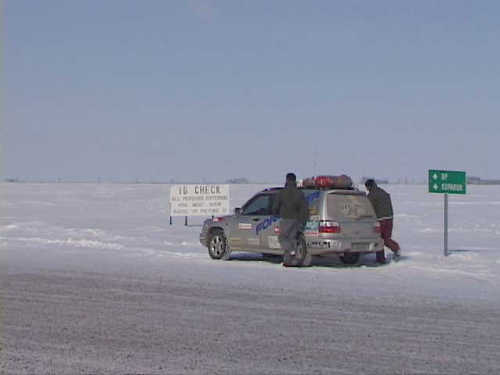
260,205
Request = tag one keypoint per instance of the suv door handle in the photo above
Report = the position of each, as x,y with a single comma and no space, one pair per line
256,219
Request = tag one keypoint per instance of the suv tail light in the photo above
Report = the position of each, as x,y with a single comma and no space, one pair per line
276,230
377,228
218,219
328,226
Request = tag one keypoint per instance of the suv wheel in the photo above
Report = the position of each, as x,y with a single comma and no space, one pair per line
302,256
350,258
305,255
217,245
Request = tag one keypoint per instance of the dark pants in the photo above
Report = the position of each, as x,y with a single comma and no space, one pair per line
289,229
386,233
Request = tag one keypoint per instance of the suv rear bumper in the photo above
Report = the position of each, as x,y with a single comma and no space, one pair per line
321,246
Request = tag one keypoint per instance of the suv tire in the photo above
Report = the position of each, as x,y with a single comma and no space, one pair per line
303,251
350,258
217,245
302,256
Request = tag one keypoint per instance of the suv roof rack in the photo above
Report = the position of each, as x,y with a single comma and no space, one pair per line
325,182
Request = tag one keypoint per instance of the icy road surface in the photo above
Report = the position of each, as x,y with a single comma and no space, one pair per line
94,281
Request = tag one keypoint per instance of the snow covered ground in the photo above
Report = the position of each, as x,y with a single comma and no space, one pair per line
132,221
59,235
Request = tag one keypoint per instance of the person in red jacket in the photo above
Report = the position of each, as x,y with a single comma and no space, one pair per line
381,202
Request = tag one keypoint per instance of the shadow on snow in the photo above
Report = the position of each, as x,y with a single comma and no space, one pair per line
328,261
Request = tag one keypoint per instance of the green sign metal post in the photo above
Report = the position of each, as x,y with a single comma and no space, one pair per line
447,182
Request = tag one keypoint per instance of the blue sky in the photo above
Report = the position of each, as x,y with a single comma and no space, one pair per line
206,90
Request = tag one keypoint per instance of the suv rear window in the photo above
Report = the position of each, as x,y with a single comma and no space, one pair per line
349,206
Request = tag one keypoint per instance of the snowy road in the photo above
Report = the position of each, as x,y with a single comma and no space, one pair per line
66,323
93,281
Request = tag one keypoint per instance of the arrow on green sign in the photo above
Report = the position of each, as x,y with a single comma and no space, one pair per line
449,182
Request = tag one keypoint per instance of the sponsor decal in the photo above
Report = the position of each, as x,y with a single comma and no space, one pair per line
253,241
273,242
313,196
313,212
312,227
245,226
313,208
266,223
234,243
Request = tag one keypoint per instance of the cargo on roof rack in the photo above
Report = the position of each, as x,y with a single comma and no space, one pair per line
328,182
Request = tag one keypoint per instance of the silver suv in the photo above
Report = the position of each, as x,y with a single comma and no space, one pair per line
341,221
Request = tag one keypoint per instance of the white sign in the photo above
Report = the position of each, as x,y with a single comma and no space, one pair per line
199,200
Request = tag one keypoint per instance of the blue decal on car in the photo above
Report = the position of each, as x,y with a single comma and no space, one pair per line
266,223
312,196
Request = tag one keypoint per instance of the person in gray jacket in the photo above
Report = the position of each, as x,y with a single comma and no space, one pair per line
290,204
381,202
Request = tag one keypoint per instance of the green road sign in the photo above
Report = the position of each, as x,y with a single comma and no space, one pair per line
450,182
